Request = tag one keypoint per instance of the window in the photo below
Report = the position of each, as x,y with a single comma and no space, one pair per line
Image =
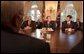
69,10
34,12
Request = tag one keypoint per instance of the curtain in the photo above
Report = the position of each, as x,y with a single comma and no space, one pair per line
5,10
40,7
78,7
62,5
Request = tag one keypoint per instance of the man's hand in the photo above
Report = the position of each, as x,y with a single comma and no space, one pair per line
44,30
27,28
50,29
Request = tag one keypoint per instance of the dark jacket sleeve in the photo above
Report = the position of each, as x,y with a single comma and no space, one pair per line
74,24
53,25
19,43
44,24
50,25
63,26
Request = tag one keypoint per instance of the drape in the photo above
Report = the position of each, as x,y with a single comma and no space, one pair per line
62,5
78,7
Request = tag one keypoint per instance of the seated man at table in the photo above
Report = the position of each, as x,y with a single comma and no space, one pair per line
39,24
49,24
69,25
79,24
28,24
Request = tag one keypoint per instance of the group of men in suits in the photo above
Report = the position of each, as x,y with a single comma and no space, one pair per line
68,23
47,24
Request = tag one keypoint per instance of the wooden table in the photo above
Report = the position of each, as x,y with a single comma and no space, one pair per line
59,42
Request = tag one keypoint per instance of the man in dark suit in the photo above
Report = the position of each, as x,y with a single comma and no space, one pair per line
69,24
28,23
39,24
79,24
49,23
12,42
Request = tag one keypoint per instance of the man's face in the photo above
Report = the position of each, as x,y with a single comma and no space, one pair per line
68,19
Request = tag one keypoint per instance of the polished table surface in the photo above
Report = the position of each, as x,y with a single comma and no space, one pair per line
59,42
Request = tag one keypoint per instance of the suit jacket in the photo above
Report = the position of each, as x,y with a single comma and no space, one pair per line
39,25
32,24
50,25
72,25
12,42
79,24
25,23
